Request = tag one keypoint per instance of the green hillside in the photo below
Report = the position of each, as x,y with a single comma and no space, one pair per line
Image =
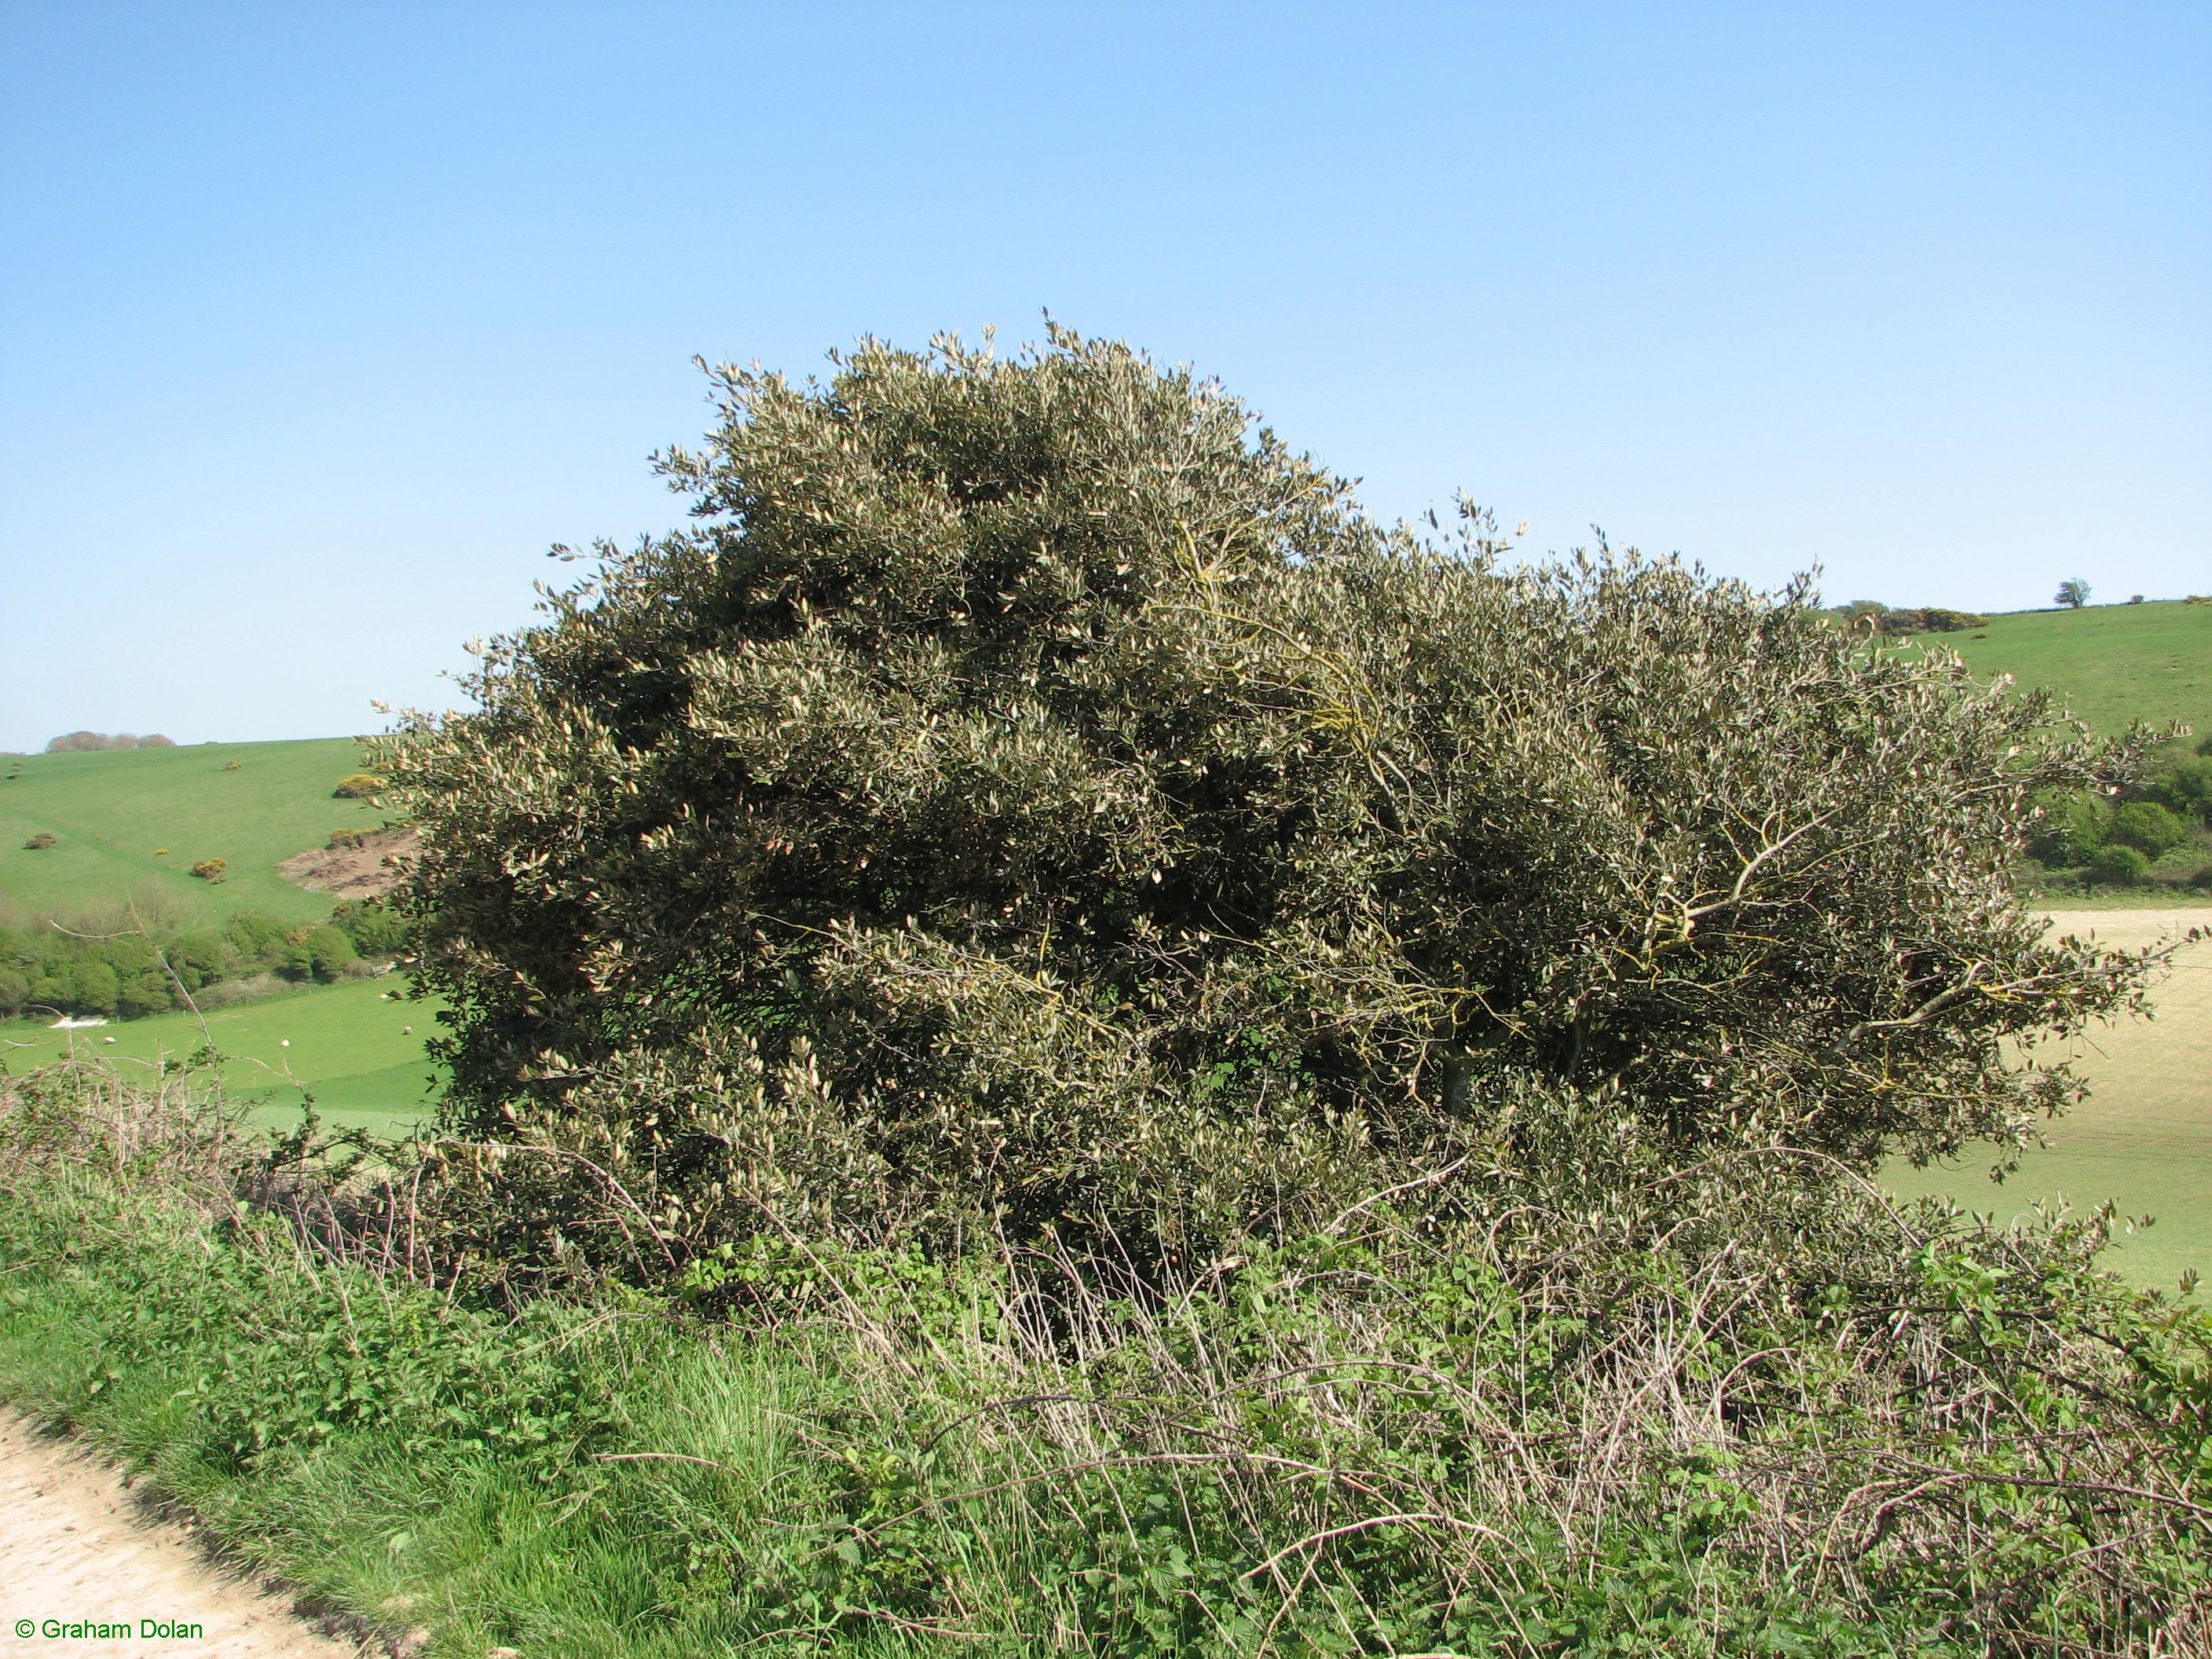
110,813
349,1045
2115,663
2143,1139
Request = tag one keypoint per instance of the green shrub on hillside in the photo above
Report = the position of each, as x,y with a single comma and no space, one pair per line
375,928
212,870
39,842
2147,827
1031,798
358,786
322,954
2071,829
2117,865
2184,788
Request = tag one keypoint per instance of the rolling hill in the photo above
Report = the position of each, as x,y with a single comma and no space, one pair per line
2115,663
358,1051
2143,1139
129,821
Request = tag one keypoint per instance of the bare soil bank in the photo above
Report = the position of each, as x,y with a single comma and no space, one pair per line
360,866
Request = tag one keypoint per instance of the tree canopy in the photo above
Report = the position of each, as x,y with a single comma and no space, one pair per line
1030,793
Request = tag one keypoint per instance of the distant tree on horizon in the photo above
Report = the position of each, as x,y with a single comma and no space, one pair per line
2073,593
75,742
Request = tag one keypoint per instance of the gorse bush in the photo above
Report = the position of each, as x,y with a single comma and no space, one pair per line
1032,796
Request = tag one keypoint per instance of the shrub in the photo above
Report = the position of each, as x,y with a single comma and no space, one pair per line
255,937
2073,593
82,741
78,742
359,786
375,928
93,985
1933,620
39,842
2147,827
234,766
323,954
2118,866
212,870
2184,788
1031,798
2072,826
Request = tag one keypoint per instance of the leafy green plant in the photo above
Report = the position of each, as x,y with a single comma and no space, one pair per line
39,842
2118,866
212,871
359,786
1032,796
322,953
2183,788
2148,827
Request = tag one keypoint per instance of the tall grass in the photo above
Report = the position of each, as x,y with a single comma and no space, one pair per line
1727,1413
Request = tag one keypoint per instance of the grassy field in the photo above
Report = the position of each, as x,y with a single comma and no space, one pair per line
2116,663
2143,1139
112,813
347,1045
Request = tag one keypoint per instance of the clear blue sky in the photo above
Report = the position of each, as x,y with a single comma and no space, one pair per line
318,322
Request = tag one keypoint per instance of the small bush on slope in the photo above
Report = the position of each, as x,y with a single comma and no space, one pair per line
1628,1435
1030,798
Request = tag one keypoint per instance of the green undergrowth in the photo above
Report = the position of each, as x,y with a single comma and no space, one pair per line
1600,1436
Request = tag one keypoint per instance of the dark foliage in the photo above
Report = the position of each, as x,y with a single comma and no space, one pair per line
1031,797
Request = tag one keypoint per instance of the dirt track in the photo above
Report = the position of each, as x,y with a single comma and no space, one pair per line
74,1547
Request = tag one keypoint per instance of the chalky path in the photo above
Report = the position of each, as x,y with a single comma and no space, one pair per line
76,1548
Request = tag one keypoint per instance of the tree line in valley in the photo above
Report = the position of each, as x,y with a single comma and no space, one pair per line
132,961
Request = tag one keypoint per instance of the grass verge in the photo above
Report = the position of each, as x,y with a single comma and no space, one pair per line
1616,1435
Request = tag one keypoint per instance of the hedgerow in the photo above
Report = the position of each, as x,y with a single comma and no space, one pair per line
1621,1433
